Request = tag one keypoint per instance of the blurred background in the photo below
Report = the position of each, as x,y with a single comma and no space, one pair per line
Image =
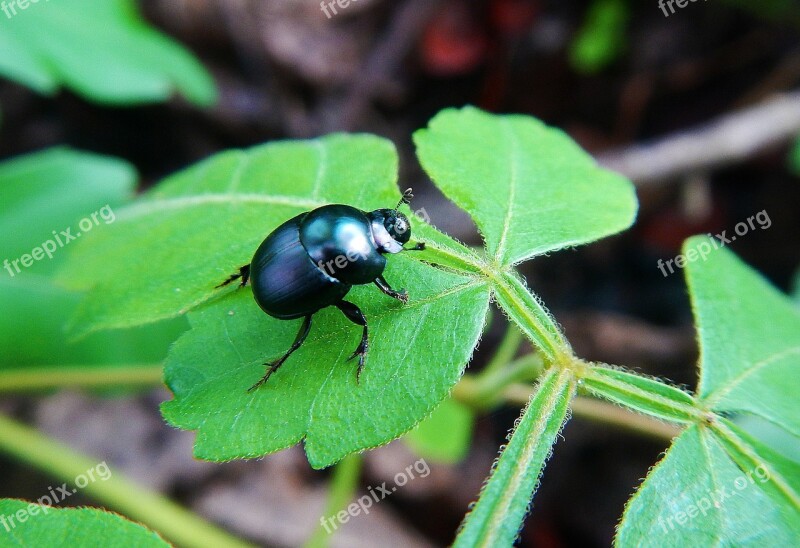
697,104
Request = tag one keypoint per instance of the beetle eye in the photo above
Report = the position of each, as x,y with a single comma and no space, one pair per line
398,228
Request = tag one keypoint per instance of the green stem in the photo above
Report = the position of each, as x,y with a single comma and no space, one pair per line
343,486
530,315
505,352
505,498
175,523
605,413
448,259
469,392
46,378
643,394
485,391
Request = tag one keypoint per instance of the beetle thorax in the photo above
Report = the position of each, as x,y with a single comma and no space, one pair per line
383,240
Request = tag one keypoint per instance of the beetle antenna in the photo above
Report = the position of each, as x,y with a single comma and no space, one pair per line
405,199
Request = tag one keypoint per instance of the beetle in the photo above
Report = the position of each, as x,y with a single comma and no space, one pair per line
312,261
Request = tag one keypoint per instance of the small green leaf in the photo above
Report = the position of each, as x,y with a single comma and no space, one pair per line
104,51
444,436
749,338
602,36
200,225
529,187
29,524
505,500
697,496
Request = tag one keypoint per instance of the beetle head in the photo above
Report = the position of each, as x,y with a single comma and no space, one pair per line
390,228
398,226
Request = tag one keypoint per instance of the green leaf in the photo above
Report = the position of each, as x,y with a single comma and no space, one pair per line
47,192
697,496
32,332
29,524
103,51
749,338
315,396
505,500
42,193
445,435
199,225
529,187
775,437
102,483
751,453
601,38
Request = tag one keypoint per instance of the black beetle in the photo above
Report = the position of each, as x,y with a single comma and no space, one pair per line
312,260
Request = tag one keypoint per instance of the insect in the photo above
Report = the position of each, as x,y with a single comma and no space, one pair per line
312,260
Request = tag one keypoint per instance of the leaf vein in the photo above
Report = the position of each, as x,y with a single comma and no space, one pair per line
512,188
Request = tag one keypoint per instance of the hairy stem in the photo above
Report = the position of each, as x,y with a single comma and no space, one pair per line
342,488
505,499
45,378
175,523
606,413
506,350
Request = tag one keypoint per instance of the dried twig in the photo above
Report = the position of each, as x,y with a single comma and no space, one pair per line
724,141
404,29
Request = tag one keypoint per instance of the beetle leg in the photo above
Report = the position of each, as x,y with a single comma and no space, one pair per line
244,274
420,246
383,285
272,367
354,314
